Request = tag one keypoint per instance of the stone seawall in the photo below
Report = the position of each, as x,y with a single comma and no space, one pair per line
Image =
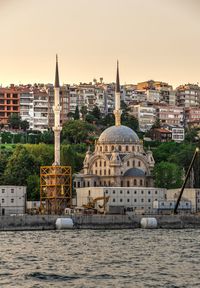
47,222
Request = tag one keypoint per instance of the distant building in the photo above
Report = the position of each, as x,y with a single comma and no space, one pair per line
161,135
9,103
40,111
12,200
26,106
188,95
146,116
170,115
192,117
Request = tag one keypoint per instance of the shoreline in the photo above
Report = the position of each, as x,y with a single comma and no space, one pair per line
96,222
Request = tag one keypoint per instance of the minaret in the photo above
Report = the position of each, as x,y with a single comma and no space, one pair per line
117,111
57,108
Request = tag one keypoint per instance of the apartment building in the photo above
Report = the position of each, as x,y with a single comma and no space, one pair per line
170,115
40,111
192,117
26,105
146,116
188,95
9,103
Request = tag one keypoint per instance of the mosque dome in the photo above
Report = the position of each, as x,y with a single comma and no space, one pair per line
118,134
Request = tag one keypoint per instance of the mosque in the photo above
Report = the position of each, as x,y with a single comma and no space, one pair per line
119,159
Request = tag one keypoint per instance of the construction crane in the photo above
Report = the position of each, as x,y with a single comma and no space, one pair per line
185,181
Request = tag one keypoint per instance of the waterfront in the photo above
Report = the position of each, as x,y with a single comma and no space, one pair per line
88,258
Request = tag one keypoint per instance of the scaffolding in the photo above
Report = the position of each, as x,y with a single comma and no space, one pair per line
55,189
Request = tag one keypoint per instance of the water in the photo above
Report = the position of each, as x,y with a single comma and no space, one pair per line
86,258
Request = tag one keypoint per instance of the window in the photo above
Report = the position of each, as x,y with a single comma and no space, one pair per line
142,192
121,200
109,172
100,148
75,184
3,190
104,163
126,147
149,200
106,191
79,185
104,171
100,172
95,184
121,183
106,148
128,192
156,192
128,163
141,182
100,163
135,192
120,148
88,184
12,200
128,184
149,192
139,164
128,200
135,182
96,172
2,200
95,164
121,191
133,148
113,191
142,200
113,199
133,163
135,200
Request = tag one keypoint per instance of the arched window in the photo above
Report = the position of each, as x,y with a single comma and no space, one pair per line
120,148
139,164
122,183
126,147
104,171
100,163
106,148
135,182
128,184
128,163
108,171
100,172
100,148
104,163
112,148
138,149
133,148
95,184
96,164
133,163
141,182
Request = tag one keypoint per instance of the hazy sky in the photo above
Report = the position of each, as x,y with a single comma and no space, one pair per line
153,39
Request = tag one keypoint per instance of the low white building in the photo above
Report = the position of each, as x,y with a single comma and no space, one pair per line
168,206
140,199
190,194
12,200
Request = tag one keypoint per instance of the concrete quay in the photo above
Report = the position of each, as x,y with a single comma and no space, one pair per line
47,222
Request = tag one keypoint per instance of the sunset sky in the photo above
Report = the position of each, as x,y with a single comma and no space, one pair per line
153,39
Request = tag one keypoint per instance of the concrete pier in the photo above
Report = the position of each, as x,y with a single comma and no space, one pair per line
47,222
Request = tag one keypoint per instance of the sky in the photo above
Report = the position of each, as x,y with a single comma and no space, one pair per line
152,39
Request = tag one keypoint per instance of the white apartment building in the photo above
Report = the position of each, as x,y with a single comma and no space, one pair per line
12,200
140,199
188,95
146,116
40,111
152,96
26,106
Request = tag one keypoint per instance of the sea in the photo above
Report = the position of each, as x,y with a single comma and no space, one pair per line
93,258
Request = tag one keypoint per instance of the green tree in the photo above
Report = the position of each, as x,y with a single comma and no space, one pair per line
14,121
76,114
78,131
42,152
24,125
168,175
156,124
20,165
47,137
33,187
68,156
84,111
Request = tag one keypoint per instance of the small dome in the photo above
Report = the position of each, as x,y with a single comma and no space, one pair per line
134,172
118,134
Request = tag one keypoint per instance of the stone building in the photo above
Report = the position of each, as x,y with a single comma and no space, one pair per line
119,159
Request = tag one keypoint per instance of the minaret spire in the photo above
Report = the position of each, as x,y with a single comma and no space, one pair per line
57,85
57,127
117,111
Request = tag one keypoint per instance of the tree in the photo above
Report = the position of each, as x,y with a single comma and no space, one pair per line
127,119
191,135
77,131
156,124
76,114
68,156
47,137
24,125
20,165
83,111
33,187
14,121
96,113
168,175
